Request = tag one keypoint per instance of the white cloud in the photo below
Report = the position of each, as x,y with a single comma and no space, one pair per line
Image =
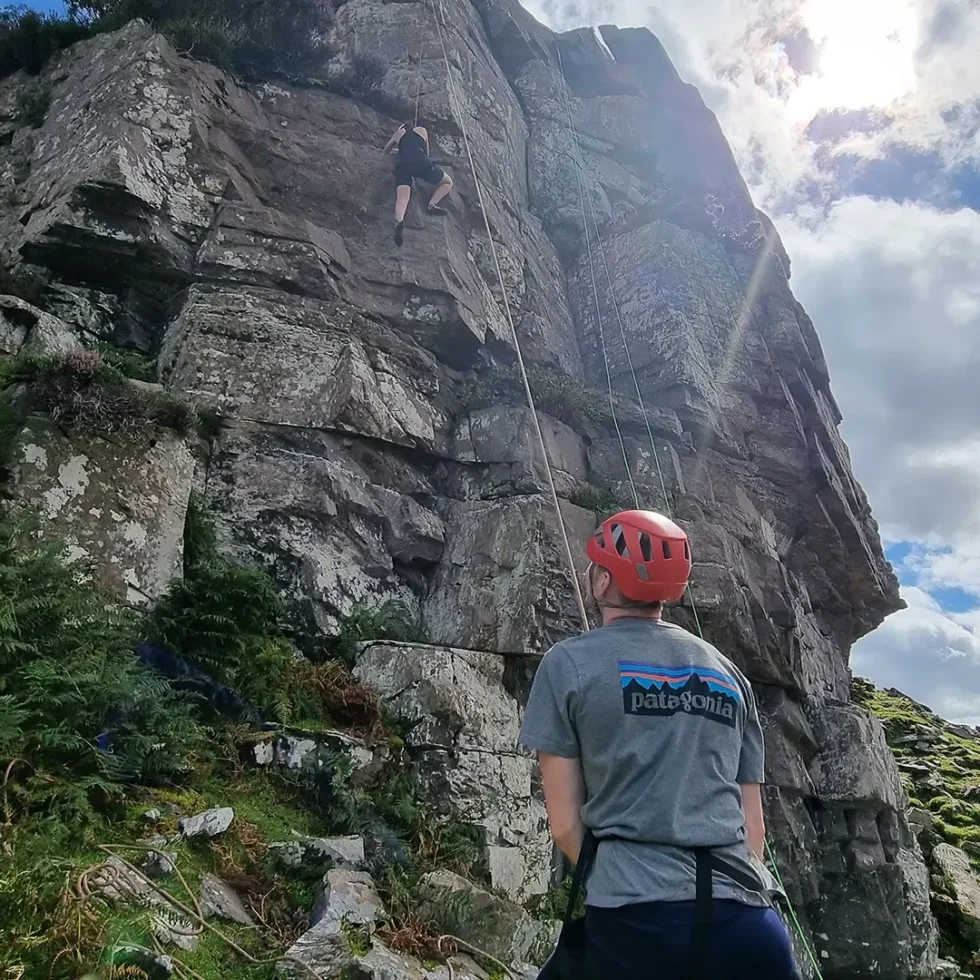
954,567
927,655
894,292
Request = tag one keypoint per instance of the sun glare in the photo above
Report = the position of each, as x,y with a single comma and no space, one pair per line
867,57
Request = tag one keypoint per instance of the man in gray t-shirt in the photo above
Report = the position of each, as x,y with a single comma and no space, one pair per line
650,738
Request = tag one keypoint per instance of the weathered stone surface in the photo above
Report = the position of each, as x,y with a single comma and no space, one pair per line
920,819
507,435
219,900
923,934
869,904
319,854
120,504
344,528
160,863
348,896
499,927
955,866
315,753
855,764
278,358
464,736
502,582
24,327
211,823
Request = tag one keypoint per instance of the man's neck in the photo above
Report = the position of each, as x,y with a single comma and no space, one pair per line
610,614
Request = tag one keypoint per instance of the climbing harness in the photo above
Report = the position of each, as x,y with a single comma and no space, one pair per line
572,958
457,110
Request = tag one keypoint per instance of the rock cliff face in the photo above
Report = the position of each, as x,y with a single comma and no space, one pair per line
371,446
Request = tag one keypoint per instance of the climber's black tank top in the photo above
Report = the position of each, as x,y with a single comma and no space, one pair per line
411,144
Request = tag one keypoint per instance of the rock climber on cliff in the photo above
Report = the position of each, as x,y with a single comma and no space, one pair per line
651,759
412,144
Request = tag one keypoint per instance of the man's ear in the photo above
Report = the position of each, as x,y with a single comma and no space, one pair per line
601,580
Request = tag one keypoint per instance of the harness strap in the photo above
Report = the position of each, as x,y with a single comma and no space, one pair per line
701,933
706,862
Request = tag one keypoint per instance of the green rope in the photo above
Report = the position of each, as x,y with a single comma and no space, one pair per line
792,912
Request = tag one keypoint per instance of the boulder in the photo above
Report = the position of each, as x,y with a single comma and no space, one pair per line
120,503
219,900
211,823
316,752
463,733
312,855
954,865
24,327
158,864
348,896
501,928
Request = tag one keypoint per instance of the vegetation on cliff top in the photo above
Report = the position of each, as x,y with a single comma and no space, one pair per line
939,764
256,38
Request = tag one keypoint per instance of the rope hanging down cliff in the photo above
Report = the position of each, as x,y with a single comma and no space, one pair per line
456,106
579,167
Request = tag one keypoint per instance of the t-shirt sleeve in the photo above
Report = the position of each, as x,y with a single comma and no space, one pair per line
752,761
548,725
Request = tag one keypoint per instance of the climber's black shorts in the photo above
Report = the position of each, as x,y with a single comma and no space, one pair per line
419,168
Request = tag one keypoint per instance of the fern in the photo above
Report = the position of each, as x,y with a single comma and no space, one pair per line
75,702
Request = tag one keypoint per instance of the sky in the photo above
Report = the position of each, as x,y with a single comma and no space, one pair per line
856,124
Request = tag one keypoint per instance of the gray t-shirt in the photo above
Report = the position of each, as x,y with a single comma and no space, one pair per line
667,729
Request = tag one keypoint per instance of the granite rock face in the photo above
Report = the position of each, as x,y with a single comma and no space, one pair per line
244,237
463,735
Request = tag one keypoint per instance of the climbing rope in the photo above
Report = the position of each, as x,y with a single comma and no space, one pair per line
740,324
457,108
579,169
418,87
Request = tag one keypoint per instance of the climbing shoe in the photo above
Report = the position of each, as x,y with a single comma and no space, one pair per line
399,233
435,209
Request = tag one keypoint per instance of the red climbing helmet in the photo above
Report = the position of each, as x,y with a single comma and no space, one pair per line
647,555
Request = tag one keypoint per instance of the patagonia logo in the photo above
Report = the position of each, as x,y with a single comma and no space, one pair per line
666,691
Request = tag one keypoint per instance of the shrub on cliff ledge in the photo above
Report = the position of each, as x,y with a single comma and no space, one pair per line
227,618
80,391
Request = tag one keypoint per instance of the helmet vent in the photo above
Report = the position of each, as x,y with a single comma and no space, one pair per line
667,553
641,571
620,539
646,546
687,551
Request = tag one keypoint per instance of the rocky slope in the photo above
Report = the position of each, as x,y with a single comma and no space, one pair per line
367,442
939,763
